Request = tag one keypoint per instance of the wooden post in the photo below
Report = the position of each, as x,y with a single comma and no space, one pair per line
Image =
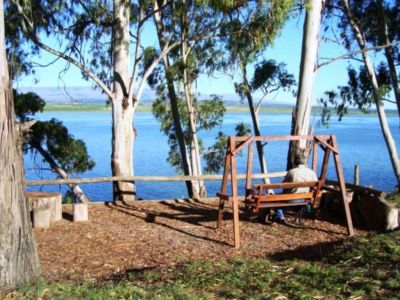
224,185
315,157
236,231
356,174
249,165
342,185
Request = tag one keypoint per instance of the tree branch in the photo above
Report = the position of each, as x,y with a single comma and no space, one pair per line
352,53
31,33
151,68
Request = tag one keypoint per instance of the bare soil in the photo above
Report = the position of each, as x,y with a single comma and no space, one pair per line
120,238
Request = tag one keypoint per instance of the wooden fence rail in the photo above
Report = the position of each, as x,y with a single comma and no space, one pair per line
145,178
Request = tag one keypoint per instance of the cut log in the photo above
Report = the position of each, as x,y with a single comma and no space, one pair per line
81,212
39,202
40,212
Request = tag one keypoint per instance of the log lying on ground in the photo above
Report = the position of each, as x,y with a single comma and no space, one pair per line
369,207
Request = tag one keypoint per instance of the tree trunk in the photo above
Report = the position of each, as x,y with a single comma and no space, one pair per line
309,52
19,262
123,133
199,188
174,106
384,37
256,126
75,188
391,146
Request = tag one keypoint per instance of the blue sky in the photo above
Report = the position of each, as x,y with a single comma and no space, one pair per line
286,48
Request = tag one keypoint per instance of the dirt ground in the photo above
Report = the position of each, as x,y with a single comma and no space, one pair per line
120,238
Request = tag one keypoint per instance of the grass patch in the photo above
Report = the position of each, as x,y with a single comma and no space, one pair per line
358,268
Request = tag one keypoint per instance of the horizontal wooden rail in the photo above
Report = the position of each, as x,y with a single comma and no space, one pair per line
146,178
281,138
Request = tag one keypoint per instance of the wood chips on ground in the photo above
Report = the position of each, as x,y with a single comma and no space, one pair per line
120,238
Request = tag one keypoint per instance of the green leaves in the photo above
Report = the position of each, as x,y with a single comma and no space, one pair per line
26,105
210,112
270,76
51,138
70,153
358,93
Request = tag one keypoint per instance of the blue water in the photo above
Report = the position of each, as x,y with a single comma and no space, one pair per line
359,137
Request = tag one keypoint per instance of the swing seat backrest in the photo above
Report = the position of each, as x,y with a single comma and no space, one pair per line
258,197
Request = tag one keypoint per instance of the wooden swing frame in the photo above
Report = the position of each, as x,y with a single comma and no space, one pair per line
236,144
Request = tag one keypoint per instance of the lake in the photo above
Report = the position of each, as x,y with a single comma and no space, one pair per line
359,138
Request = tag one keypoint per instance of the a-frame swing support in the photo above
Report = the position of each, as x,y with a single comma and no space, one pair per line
236,144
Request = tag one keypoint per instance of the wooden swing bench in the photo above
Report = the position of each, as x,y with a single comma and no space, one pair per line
258,196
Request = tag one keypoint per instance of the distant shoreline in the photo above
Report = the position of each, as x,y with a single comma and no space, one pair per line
99,107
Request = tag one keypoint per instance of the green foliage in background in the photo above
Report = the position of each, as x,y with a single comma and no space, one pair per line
51,139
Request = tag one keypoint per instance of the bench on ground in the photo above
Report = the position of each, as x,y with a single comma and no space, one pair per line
259,197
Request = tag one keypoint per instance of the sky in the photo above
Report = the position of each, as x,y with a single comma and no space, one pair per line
286,48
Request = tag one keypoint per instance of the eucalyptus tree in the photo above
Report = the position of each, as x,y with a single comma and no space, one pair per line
249,31
19,263
269,77
97,37
196,26
389,30
308,63
353,32
59,149
164,23
380,22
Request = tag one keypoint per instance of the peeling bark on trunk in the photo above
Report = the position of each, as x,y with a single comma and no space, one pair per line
123,133
309,52
19,262
256,126
384,37
387,135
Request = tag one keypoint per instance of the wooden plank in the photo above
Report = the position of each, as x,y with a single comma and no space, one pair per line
357,188
342,185
326,144
242,145
283,197
315,158
148,178
236,229
283,138
249,165
282,204
285,185
224,185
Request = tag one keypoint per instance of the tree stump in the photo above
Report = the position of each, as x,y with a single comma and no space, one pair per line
81,212
45,205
